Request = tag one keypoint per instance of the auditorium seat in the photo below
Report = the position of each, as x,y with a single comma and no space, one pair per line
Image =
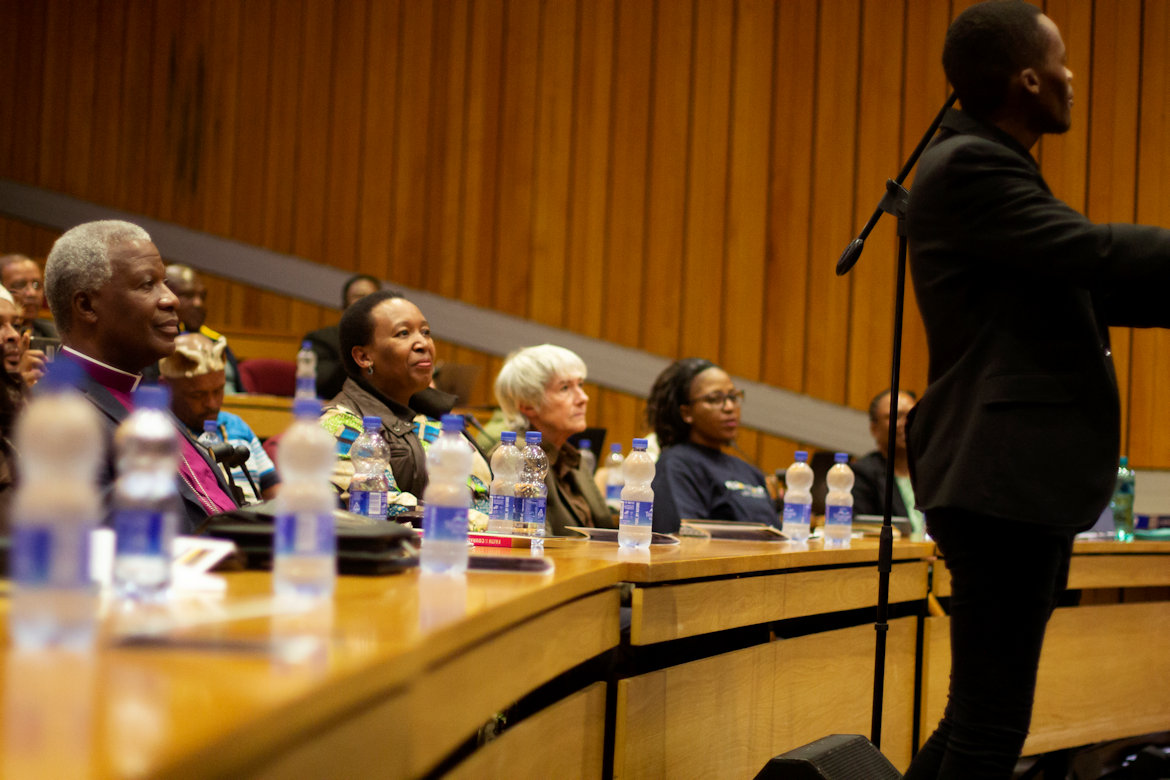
269,376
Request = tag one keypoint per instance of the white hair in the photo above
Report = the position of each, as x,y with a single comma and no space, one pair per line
526,374
80,262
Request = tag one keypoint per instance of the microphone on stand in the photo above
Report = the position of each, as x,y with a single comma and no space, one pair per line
232,456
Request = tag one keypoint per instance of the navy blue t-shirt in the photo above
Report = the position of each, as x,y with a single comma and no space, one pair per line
701,483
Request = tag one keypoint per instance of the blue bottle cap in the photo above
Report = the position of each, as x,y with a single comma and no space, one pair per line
584,444
453,422
1124,461
532,437
371,423
841,457
151,397
640,444
209,426
615,447
508,437
306,344
308,407
801,456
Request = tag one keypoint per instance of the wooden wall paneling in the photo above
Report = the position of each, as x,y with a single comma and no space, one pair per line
379,120
445,194
742,333
625,251
1149,417
552,167
707,191
1116,69
11,32
667,177
101,159
834,152
592,108
132,114
312,123
924,91
513,250
747,442
284,99
412,168
23,126
1064,158
168,80
251,122
217,154
789,197
873,279
480,195
54,133
775,452
190,131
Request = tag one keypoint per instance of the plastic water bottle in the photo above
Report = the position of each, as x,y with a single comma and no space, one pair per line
798,499
445,501
370,455
304,543
210,436
613,477
146,496
1122,503
306,386
588,459
56,506
531,490
506,464
839,503
637,519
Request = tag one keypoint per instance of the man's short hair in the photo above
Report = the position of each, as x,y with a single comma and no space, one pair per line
986,45
525,375
80,262
351,281
877,399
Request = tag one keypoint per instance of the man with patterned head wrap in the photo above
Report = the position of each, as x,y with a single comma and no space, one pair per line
195,373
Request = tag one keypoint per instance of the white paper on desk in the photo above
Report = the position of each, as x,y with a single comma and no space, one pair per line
192,557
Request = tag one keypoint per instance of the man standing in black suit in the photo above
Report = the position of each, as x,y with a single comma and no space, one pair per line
116,316
1014,445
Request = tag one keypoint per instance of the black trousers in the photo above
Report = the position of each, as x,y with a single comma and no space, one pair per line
1005,580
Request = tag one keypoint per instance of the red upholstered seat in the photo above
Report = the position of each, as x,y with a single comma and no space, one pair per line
269,376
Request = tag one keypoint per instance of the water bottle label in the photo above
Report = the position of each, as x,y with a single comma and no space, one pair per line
444,523
304,534
32,559
532,511
801,514
504,508
639,513
613,492
140,532
368,503
839,515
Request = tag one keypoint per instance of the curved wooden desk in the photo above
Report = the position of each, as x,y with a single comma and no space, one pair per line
399,672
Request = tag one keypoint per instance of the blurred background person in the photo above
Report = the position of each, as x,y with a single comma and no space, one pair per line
326,342
21,276
195,373
389,357
185,283
694,408
543,389
12,397
869,472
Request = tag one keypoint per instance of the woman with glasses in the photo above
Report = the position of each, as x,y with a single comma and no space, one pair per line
694,409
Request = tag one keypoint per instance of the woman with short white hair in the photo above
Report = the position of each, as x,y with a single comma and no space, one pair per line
543,389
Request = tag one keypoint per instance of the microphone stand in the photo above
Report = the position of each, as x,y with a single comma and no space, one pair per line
893,202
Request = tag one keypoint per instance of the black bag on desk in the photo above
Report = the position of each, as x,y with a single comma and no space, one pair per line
364,545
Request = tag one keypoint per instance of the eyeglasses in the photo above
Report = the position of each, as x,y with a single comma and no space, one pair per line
18,286
718,400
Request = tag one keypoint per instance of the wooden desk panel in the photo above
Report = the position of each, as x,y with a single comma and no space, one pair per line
725,716
266,415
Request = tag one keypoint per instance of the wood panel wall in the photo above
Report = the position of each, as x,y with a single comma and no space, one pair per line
674,175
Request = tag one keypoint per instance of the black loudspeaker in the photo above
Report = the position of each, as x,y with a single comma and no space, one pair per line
835,757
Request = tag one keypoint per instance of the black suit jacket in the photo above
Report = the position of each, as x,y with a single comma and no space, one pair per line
112,414
326,345
869,487
1021,417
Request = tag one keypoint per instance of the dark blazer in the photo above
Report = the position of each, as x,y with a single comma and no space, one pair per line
1020,419
869,487
112,414
326,345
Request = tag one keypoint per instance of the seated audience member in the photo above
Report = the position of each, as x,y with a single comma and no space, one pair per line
389,356
869,472
326,342
192,309
12,396
196,378
694,408
21,276
543,389
116,316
